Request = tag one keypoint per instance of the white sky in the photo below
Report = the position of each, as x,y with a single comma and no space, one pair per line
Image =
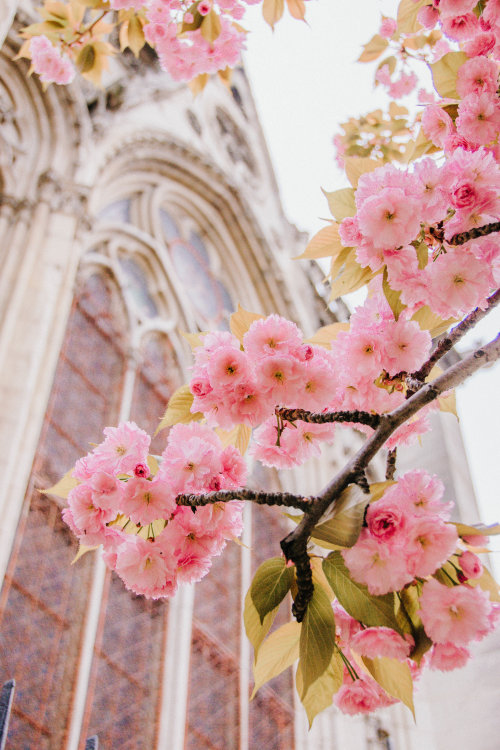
305,82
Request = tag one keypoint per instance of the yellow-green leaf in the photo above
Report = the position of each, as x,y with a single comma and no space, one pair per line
326,334
241,320
317,639
297,9
352,277
277,653
376,611
239,436
324,244
346,519
341,203
431,322
373,48
136,38
82,550
86,58
153,464
394,676
179,409
355,166
448,403
407,608
194,339
377,489
393,297
211,26
255,629
272,10
487,583
418,147
422,254
321,692
270,585
198,84
480,529
444,73
63,487
407,16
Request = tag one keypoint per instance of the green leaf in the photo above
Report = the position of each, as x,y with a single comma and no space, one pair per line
377,489
326,334
394,676
270,585
422,254
345,522
321,692
444,74
82,550
317,639
408,604
239,436
276,654
355,597
255,629
341,203
487,583
179,409
63,487
392,297
86,58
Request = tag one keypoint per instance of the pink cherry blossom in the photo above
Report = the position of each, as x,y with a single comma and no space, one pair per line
448,656
458,614
49,63
381,641
471,564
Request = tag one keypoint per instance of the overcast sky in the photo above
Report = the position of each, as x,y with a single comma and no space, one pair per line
305,82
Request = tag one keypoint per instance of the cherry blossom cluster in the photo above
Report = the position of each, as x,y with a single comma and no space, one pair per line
234,384
51,65
188,54
477,35
405,542
147,539
396,212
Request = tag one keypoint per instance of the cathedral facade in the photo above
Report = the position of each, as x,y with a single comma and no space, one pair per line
128,215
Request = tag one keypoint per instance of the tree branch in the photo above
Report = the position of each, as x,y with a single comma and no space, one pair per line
261,498
360,417
294,544
474,233
456,333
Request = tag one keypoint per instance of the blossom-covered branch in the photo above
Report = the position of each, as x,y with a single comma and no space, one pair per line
295,543
456,333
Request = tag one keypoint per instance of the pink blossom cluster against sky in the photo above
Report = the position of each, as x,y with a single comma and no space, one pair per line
305,81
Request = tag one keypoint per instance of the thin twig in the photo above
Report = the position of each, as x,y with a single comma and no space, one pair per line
390,467
456,333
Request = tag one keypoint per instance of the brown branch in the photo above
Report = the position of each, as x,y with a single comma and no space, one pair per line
474,233
449,341
462,237
294,544
261,498
359,417
390,467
